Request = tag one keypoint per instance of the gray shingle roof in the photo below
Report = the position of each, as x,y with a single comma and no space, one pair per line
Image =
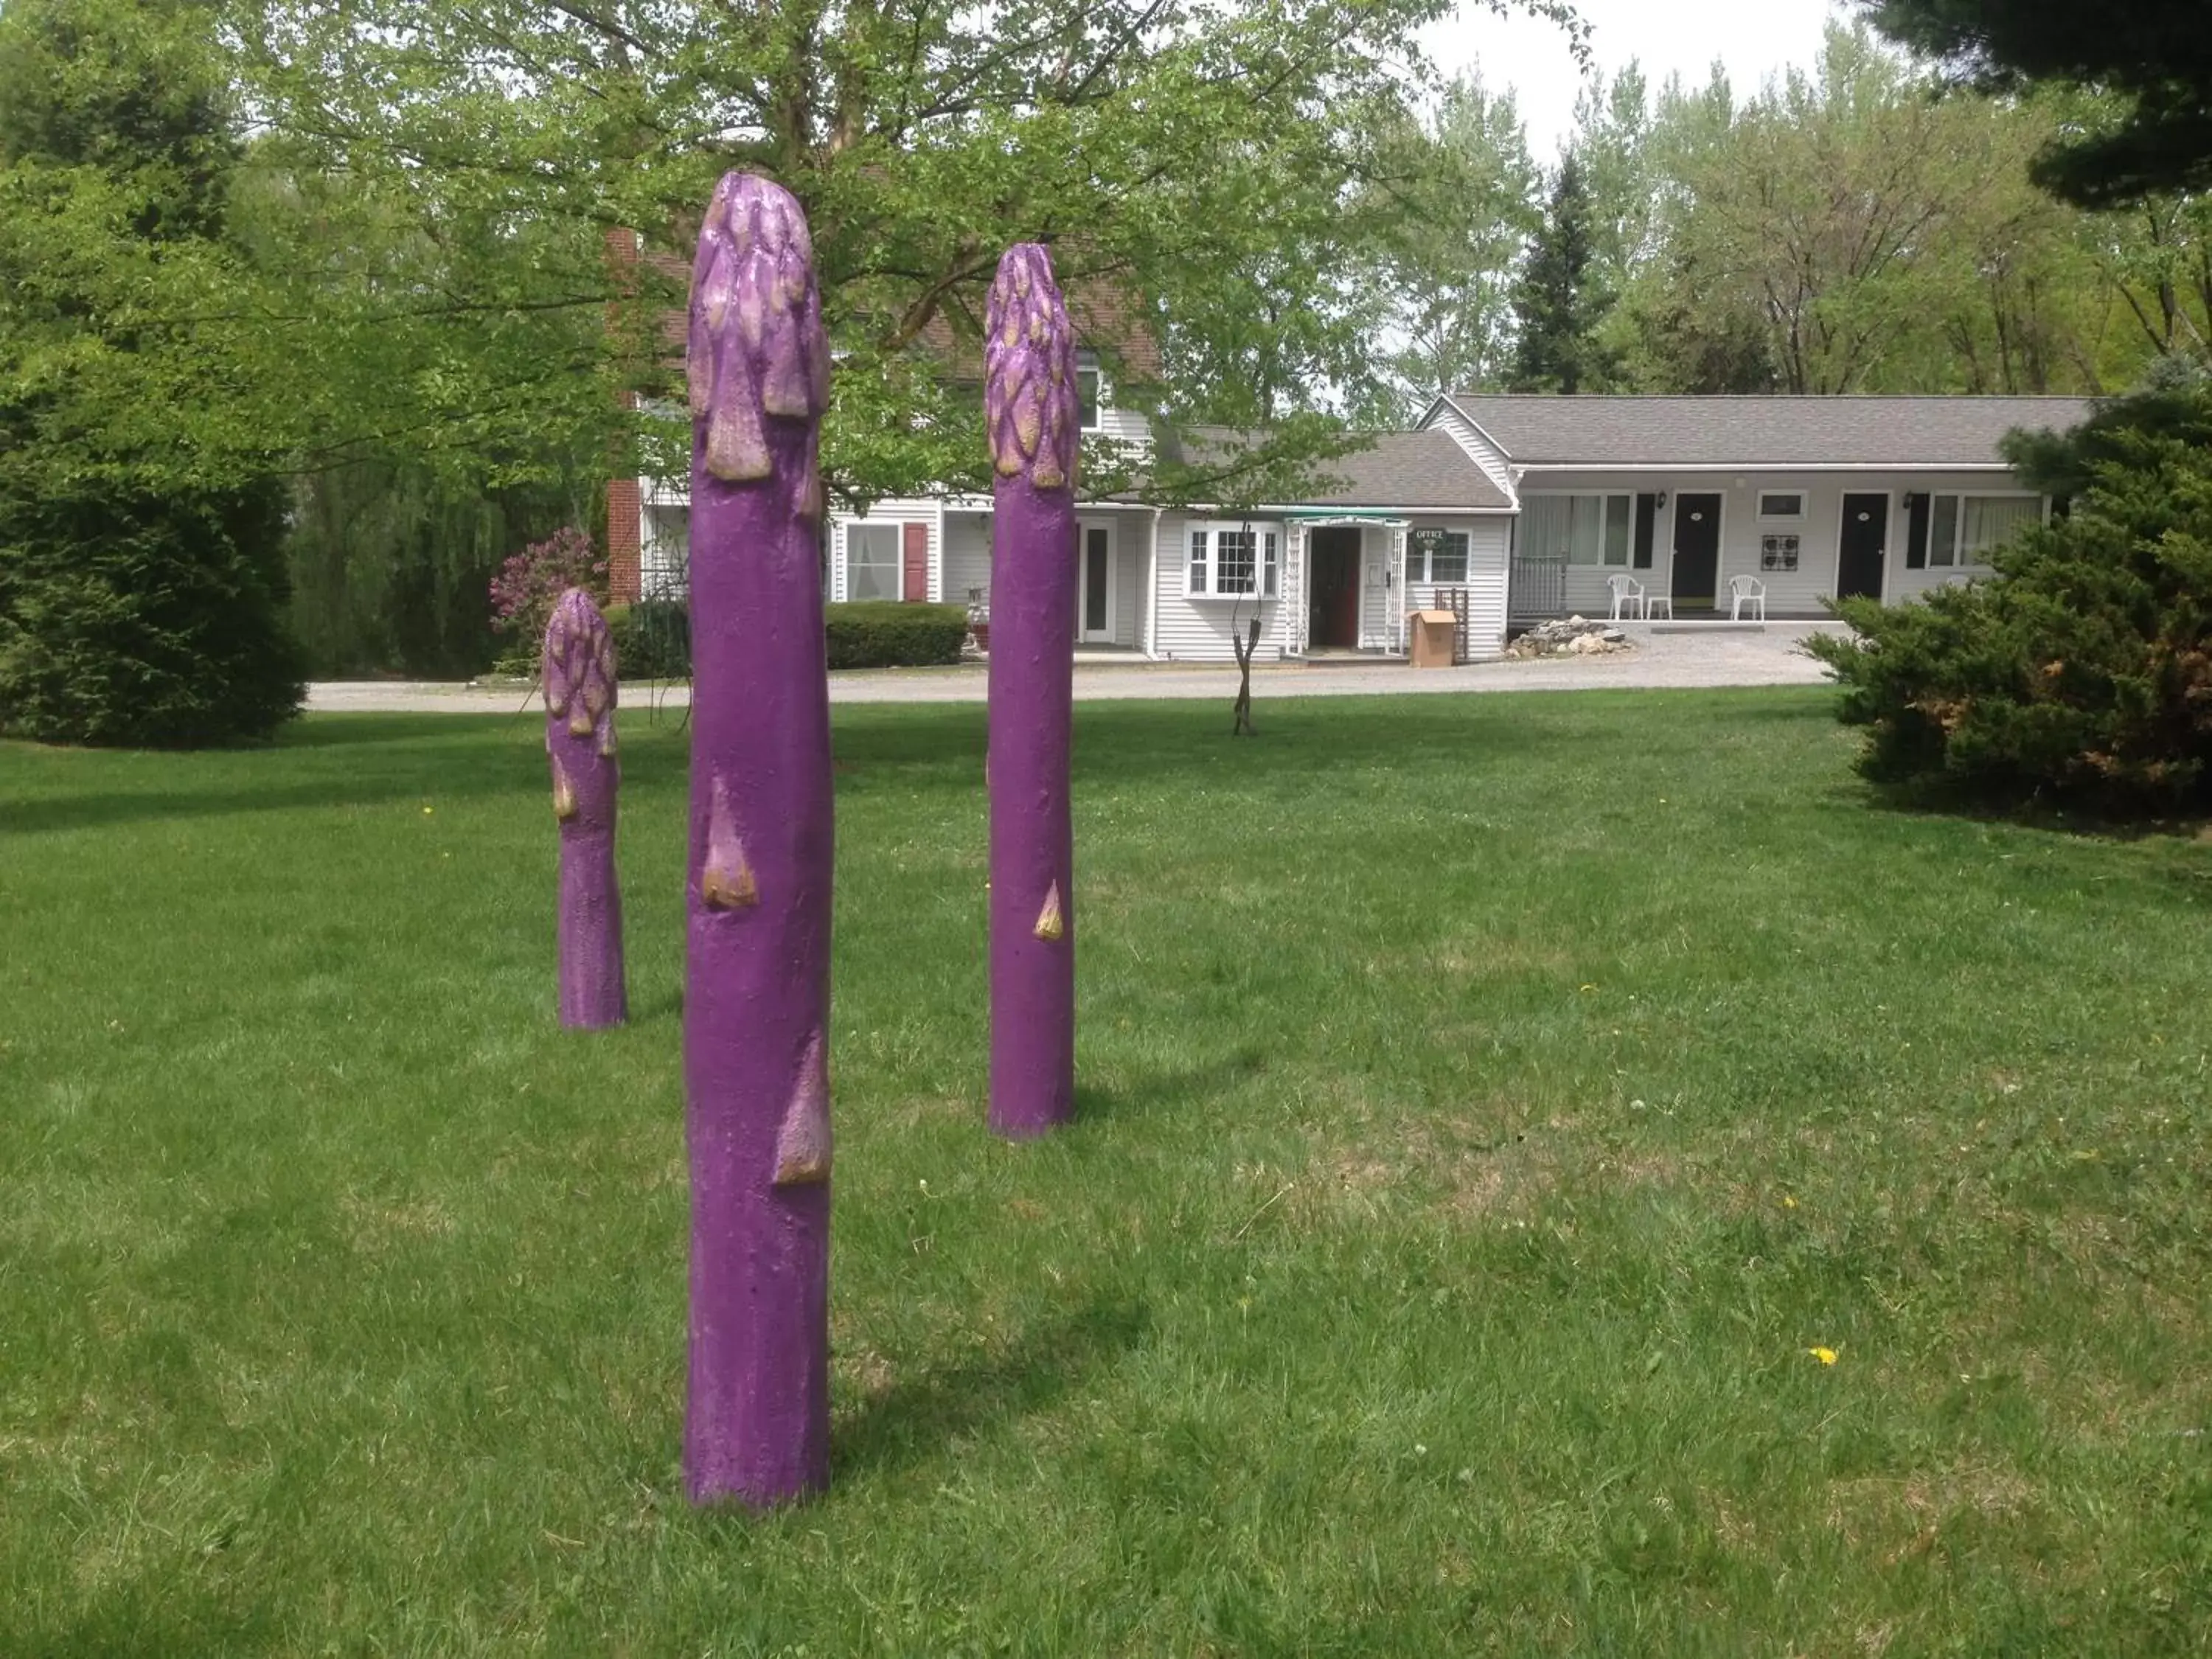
1410,470
1769,432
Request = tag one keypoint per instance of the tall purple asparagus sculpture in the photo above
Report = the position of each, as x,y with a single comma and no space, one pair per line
756,1001
1029,401
579,677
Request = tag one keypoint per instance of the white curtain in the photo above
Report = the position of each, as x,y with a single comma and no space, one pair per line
1545,526
1989,522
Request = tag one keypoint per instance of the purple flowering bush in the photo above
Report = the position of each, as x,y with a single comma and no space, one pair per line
530,583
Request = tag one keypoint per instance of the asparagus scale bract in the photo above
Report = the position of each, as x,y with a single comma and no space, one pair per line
578,673
756,1000
1030,399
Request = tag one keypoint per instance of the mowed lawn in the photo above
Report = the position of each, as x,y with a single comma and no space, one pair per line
1488,1104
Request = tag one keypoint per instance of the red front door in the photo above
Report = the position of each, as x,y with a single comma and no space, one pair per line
1333,603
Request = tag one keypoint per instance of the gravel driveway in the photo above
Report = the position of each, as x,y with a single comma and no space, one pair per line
1687,656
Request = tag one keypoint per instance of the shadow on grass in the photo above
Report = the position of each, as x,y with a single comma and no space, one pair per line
920,1419
1194,1085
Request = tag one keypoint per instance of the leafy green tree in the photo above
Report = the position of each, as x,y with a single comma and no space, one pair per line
2154,55
1455,231
1559,300
142,585
1187,164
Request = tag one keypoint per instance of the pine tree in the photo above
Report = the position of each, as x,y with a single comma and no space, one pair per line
142,581
1560,301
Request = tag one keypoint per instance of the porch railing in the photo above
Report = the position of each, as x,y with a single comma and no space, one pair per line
1539,587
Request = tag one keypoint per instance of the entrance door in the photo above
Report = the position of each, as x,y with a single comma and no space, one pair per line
1097,614
1864,541
1333,600
1697,551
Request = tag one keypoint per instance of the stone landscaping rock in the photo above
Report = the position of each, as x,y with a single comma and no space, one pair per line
1570,636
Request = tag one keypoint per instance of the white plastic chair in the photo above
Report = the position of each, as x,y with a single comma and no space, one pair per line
1747,590
1627,596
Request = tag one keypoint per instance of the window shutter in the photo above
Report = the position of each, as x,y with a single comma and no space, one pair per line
915,587
1646,525
1916,532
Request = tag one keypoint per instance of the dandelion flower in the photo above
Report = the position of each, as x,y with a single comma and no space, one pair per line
1826,1356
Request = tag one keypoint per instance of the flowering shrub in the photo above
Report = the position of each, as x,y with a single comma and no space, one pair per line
531,582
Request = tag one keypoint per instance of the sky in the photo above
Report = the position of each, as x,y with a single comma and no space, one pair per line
1753,38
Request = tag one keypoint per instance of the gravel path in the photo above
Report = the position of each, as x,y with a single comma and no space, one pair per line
1695,655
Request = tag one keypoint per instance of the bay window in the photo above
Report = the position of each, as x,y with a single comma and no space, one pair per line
1234,561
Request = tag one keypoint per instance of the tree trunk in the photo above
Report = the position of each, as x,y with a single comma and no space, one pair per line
1031,399
1244,648
578,674
756,998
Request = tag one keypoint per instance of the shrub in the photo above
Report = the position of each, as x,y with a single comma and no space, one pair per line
530,583
135,617
887,634
652,640
2083,670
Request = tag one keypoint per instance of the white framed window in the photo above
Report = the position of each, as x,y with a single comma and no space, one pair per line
1781,505
1436,555
1090,389
1580,529
1963,529
1234,561
872,561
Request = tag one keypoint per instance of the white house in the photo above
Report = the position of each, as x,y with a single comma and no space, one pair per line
1507,507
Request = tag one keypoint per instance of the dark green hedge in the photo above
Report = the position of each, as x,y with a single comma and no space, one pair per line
885,634
652,640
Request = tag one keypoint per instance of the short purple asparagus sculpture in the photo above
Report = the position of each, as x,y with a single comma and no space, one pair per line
756,1000
579,678
1030,399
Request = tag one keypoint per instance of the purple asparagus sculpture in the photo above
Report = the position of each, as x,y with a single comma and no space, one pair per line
579,677
756,1002
1029,401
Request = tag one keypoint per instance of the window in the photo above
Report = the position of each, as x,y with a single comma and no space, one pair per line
871,561
1234,561
1580,529
1090,389
664,562
1963,529
1436,555
1784,504
1778,552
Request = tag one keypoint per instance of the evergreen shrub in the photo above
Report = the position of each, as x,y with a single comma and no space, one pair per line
2082,671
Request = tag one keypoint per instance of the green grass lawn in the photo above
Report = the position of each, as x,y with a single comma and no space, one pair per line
1488,1105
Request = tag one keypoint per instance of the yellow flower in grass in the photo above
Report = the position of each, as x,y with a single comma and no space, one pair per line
1826,1356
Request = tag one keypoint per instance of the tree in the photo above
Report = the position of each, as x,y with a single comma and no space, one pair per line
1461,207
2155,55
1186,165
1559,301
141,584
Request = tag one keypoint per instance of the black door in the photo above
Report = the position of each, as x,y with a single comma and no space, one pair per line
1097,567
1866,537
1332,601
1696,551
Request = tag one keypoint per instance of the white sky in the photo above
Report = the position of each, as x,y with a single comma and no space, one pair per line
1753,38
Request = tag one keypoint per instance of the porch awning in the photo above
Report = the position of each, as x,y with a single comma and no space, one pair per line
1324,516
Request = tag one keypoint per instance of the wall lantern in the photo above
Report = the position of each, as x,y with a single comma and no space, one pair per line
1662,502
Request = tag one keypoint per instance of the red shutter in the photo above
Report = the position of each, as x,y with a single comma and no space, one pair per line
916,585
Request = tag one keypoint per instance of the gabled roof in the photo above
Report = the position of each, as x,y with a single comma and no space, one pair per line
1424,471
1779,432
1409,469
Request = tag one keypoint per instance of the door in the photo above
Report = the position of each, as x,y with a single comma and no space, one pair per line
1860,550
1333,599
1096,616
1696,575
